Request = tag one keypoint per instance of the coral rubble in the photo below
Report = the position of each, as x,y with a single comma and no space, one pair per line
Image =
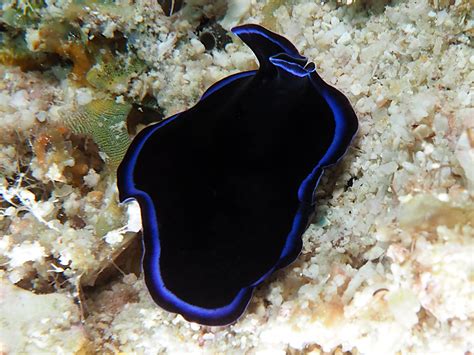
386,266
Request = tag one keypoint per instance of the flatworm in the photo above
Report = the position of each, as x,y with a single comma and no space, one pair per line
226,188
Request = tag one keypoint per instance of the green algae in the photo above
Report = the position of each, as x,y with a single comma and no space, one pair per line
104,121
33,41
113,73
22,14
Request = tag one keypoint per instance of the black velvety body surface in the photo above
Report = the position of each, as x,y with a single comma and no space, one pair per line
226,188
226,181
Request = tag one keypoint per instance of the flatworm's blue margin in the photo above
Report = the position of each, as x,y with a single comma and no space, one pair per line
151,257
127,191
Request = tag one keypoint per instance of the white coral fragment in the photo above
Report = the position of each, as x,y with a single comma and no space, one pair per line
404,305
134,224
92,178
235,11
465,154
114,237
26,251
37,324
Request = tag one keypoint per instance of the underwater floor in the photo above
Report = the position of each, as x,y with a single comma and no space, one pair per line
387,264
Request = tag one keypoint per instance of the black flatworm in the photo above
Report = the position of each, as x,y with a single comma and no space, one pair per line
226,188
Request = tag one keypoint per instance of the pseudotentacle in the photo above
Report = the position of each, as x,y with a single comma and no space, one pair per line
226,188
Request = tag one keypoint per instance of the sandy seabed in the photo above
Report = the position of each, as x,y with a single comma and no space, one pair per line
387,266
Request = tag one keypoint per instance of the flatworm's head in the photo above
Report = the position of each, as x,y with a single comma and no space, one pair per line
226,188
